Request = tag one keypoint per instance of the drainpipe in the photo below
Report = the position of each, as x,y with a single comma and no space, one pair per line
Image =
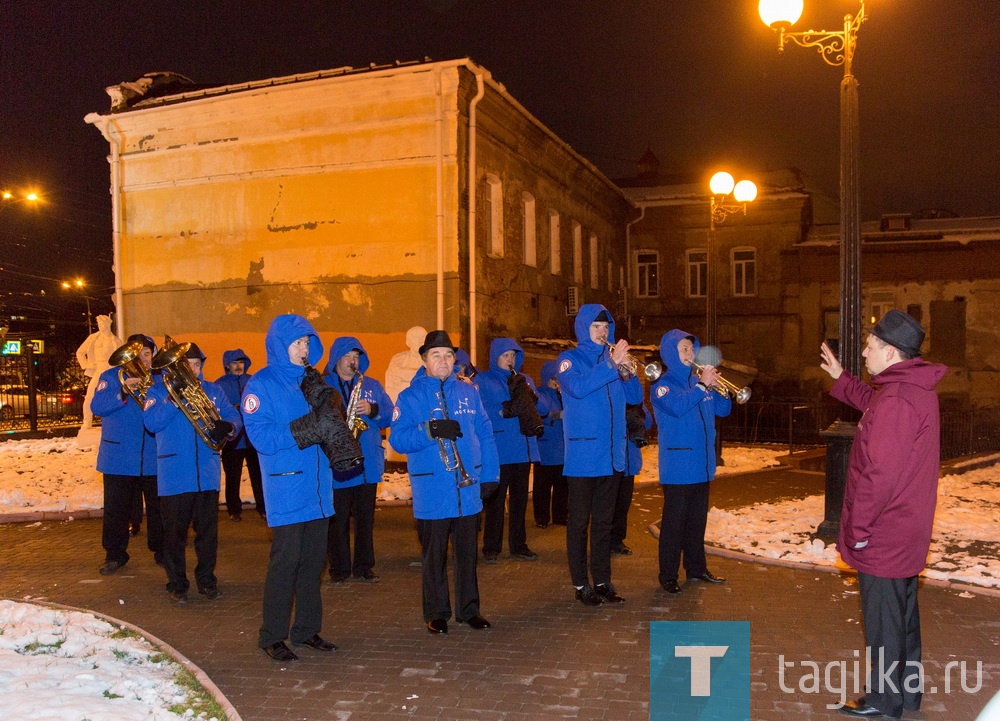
628,263
473,182
439,188
113,136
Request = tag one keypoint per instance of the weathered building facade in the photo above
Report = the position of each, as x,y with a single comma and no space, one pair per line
367,200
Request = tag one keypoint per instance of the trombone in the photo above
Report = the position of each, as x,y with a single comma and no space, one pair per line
725,388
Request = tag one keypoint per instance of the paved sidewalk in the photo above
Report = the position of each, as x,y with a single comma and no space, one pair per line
547,656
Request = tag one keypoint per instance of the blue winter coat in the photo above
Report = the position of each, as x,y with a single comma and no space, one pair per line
436,493
372,391
512,447
594,398
551,447
233,386
298,484
127,448
685,416
184,462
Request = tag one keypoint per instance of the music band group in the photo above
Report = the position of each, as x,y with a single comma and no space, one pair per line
313,445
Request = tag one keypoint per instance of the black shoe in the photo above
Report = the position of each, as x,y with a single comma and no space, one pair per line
707,577
179,597
621,549
490,559
608,593
671,586
280,652
524,554
109,567
861,709
437,625
317,643
539,524
236,517
210,592
339,578
588,597
368,576
134,529
477,622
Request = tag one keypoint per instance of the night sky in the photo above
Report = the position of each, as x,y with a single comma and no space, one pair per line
700,82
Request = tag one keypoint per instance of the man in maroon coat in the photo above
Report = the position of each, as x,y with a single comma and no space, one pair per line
889,501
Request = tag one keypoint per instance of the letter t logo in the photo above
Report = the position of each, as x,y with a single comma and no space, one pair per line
701,665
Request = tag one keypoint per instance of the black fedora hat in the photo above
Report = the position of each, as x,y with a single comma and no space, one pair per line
900,330
437,339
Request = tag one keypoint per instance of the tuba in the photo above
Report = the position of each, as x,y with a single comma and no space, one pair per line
448,450
355,422
186,391
126,357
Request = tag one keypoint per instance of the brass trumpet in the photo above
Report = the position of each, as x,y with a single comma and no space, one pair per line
725,388
126,357
448,450
631,364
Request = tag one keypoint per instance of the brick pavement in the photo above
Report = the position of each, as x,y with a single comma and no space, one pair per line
547,657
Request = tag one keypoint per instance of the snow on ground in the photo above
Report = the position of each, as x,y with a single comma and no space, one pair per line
57,664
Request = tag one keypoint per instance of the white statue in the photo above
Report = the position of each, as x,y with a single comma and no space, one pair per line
403,365
92,355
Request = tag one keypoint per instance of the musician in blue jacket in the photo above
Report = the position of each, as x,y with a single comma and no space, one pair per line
240,449
516,450
127,458
595,391
355,491
685,406
638,420
440,420
550,493
188,474
298,488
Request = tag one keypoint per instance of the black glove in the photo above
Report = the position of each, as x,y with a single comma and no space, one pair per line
316,391
374,411
220,431
446,429
488,490
635,424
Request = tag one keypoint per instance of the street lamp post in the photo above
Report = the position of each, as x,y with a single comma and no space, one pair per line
79,285
836,48
727,197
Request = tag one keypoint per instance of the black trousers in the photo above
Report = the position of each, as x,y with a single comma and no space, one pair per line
357,502
434,535
549,495
591,510
198,510
119,495
513,477
892,632
682,529
623,501
294,572
232,466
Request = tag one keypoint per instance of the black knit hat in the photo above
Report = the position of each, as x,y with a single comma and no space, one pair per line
900,330
437,339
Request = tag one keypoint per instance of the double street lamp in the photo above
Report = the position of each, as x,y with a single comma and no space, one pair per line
836,48
727,197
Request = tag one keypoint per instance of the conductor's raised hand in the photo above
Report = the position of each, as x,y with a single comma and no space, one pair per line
830,362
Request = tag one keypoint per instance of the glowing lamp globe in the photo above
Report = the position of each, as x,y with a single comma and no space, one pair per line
780,13
721,183
745,191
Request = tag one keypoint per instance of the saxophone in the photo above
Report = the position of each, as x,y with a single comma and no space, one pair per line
354,421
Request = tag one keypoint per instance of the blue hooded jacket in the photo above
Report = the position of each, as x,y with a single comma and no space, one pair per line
372,391
594,398
436,494
233,386
512,447
298,484
184,462
685,417
127,448
551,447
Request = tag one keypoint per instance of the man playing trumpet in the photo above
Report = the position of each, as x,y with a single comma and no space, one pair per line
440,424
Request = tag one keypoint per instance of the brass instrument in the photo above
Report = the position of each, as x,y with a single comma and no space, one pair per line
448,450
631,365
725,388
355,422
126,357
186,391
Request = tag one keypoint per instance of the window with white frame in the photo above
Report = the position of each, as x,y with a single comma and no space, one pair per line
577,253
594,268
494,205
882,301
744,271
697,273
528,215
647,274
555,250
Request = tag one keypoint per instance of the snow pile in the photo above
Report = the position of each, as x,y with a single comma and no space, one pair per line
48,475
67,664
